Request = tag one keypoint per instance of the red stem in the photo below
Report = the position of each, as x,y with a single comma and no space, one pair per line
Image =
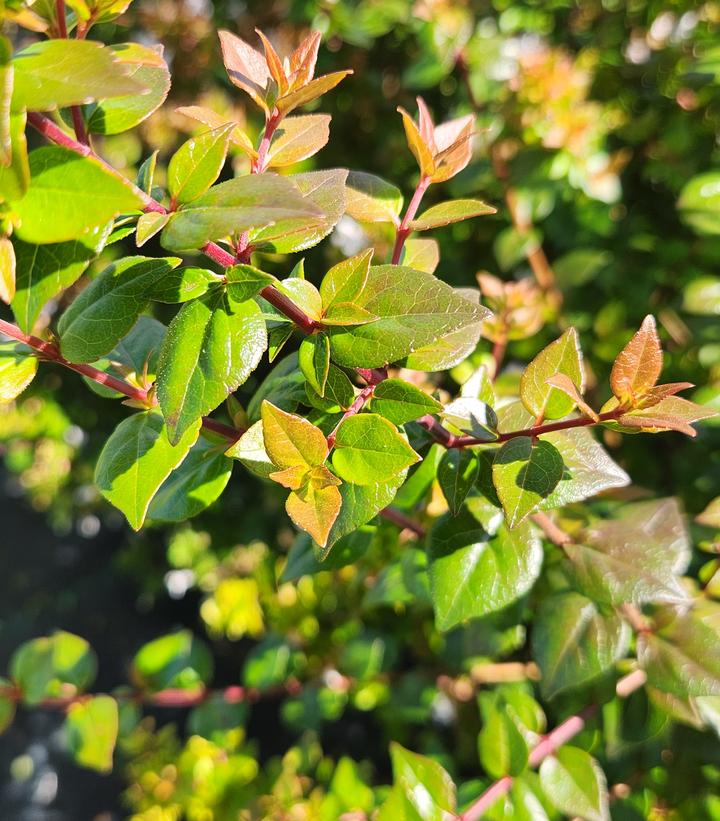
62,23
402,521
548,745
404,230
364,396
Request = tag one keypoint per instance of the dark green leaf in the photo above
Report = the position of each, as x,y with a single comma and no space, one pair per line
456,476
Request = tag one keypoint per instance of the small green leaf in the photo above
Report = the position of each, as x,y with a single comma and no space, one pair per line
60,73
177,660
451,211
457,472
561,356
69,196
18,366
699,203
196,165
346,280
53,666
524,474
575,784
210,349
501,746
421,254
250,450
401,402
576,640
148,225
473,417
298,138
372,199
426,788
476,570
182,285
136,460
314,361
92,728
7,271
102,314
246,281
269,663
339,392
369,449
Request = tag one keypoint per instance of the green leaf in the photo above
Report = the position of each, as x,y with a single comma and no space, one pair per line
210,349
448,212
61,73
360,504
18,366
69,196
372,199
102,314
401,402
369,449
246,281
476,570
145,65
196,165
561,356
269,663
575,784
136,460
682,658
183,284
525,472
344,282
302,560
456,476
92,728
314,361
415,310
250,450
575,640
192,486
512,246
53,666
421,254
323,195
702,296
635,557
428,792
298,138
149,225
177,660
236,206
501,746
699,203
15,177
472,416
44,271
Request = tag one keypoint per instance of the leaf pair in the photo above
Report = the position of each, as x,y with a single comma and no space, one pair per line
299,451
273,83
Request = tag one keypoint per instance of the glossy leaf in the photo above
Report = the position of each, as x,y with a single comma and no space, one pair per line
369,449
69,196
575,784
183,284
18,367
472,416
7,271
423,784
298,138
476,570
210,349
502,748
457,472
372,199
575,640
421,254
560,357
524,474
314,361
196,165
449,212
102,314
401,401
638,366
136,460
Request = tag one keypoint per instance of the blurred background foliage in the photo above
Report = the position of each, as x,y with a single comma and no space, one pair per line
598,127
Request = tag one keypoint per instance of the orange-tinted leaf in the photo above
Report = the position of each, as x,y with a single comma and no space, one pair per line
298,138
291,440
638,365
563,383
451,160
214,120
660,392
293,477
311,91
671,413
420,149
314,510
274,63
427,127
303,59
246,67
